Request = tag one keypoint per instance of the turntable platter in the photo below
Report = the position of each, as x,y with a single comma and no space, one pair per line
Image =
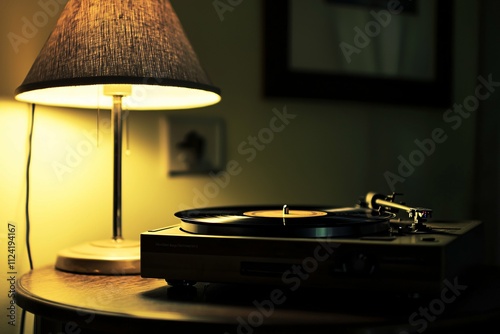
282,221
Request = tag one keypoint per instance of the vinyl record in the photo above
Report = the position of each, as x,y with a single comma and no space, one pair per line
284,221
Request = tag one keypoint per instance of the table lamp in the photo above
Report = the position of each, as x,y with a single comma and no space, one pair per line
105,54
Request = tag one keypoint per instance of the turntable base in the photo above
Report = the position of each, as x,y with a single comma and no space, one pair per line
410,264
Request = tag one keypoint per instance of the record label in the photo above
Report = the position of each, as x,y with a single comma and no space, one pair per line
285,215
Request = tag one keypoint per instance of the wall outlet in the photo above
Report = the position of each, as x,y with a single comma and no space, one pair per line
195,145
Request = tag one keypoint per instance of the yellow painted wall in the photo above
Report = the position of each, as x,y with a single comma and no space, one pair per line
331,152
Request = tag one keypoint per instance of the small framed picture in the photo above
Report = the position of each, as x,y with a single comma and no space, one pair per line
195,145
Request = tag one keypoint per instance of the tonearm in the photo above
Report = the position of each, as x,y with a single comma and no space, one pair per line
386,203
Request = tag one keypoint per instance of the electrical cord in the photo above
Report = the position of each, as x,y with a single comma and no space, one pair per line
28,168
27,213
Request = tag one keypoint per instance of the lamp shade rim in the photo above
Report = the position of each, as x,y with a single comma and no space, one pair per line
114,80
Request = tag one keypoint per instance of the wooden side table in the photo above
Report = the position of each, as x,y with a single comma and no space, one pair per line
73,303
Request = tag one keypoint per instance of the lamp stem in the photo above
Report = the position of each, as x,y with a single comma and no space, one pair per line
116,121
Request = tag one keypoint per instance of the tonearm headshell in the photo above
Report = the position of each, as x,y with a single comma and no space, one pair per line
387,203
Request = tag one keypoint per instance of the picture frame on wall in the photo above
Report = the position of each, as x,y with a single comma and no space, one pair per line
195,145
362,50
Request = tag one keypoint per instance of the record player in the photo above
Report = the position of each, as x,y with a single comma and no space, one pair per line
367,246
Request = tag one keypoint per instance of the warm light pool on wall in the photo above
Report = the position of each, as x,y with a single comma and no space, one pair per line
105,54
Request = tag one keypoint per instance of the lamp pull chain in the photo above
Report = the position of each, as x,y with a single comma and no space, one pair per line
98,130
98,120
126,125
116,121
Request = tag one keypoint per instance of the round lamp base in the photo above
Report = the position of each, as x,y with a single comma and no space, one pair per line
102,257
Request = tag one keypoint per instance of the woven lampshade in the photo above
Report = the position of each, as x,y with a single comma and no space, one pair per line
108,42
